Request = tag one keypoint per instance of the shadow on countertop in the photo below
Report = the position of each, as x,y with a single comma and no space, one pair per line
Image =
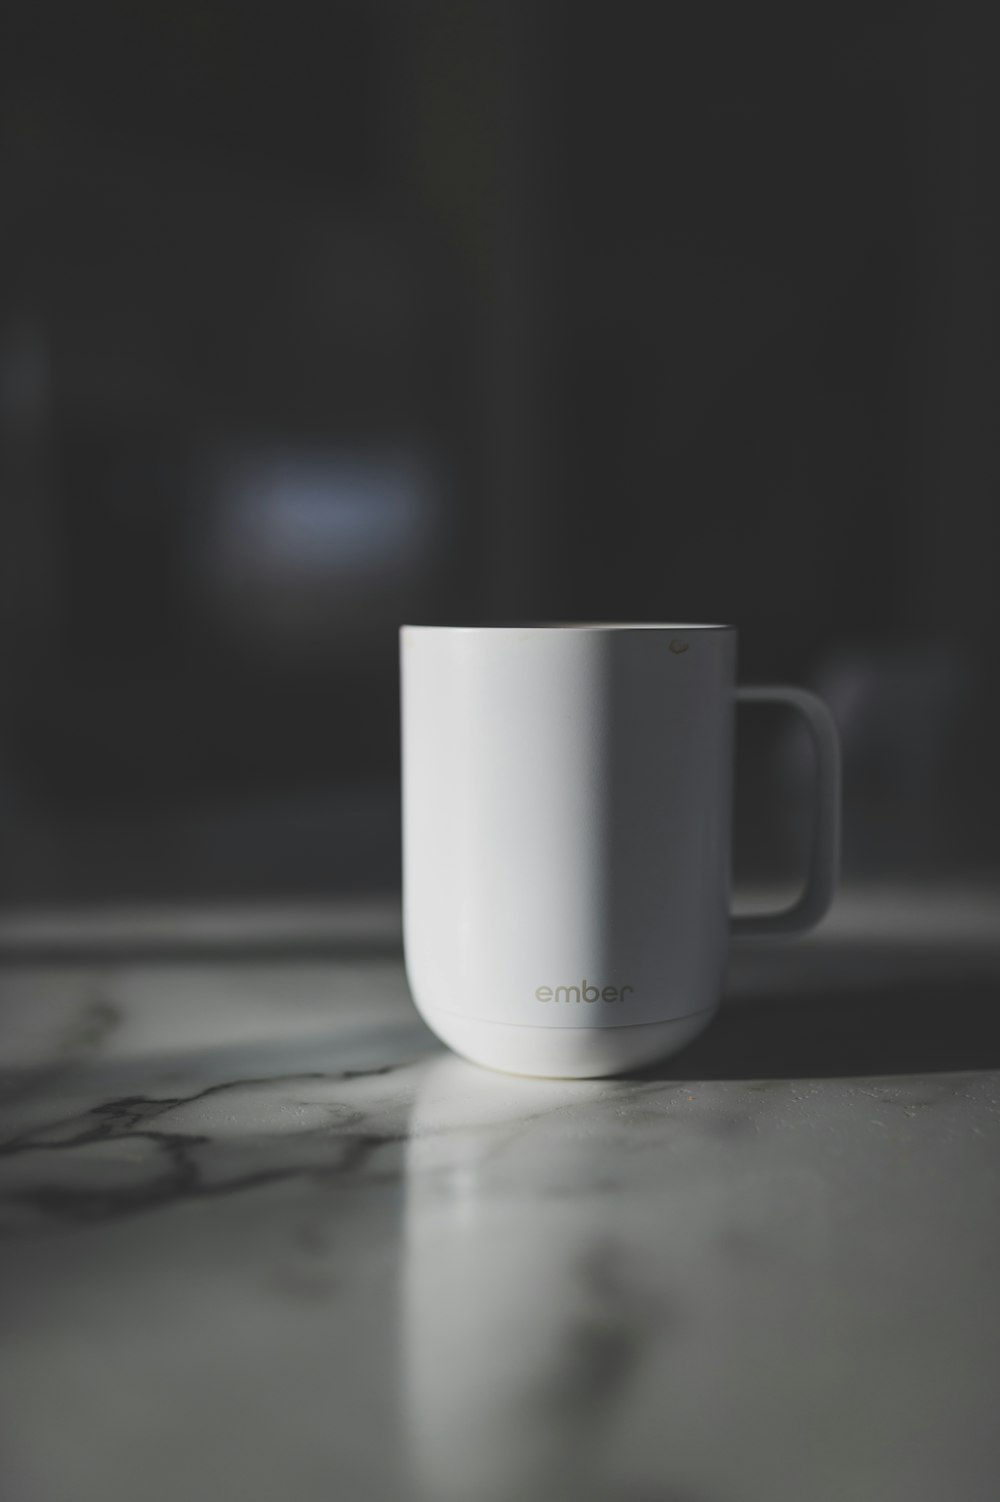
935,1026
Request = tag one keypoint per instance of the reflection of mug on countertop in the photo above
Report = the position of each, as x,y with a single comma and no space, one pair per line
583,1310
566,837
502,1327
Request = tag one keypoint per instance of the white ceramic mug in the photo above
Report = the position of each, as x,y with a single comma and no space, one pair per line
566,837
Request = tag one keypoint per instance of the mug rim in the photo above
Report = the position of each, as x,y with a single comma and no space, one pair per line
593,626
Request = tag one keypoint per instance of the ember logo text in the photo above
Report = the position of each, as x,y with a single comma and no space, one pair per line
582,992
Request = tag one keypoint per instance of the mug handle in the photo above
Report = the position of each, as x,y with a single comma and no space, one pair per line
824,855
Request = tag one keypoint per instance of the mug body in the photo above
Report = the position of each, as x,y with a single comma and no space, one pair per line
566,834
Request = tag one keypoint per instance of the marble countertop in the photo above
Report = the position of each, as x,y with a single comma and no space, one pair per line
260,1238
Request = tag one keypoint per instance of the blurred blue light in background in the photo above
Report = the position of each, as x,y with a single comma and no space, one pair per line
312,514
306,548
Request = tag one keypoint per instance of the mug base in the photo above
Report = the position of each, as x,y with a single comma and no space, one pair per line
565,1053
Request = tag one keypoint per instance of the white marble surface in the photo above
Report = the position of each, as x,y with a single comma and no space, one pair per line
260,1239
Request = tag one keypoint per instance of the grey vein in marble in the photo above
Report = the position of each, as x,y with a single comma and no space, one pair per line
260,1238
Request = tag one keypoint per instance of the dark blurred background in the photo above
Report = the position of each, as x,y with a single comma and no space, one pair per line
316,319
